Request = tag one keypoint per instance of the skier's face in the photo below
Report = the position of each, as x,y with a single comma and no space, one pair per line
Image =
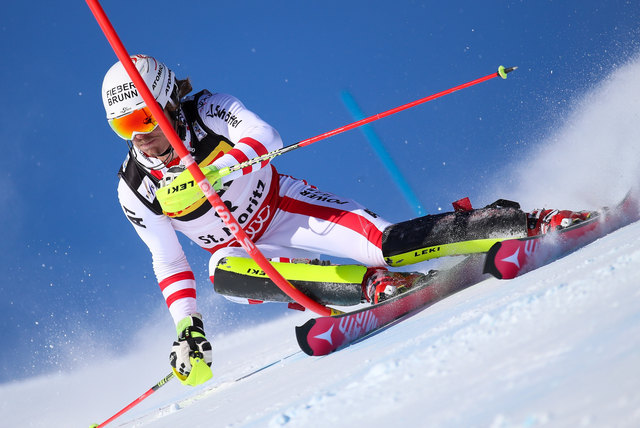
154,143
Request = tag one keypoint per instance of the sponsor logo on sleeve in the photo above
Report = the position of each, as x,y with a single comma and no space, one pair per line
200,133
147,189
221,113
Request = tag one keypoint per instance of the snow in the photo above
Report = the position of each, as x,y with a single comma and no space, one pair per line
558,346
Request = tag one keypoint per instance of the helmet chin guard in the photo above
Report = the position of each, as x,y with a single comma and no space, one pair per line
120,96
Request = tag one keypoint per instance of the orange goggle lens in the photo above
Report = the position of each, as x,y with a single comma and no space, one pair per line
139,121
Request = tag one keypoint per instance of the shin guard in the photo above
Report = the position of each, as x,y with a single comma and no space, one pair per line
326,284
448,234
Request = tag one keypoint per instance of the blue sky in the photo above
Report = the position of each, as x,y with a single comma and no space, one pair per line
74,273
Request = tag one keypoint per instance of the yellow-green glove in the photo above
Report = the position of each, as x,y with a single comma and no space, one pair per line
190,356
179,190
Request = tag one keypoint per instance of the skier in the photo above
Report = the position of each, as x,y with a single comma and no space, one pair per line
292,222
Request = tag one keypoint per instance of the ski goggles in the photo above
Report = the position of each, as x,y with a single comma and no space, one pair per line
139,121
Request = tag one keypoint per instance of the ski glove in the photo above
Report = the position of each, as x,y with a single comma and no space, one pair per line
178,189
190,356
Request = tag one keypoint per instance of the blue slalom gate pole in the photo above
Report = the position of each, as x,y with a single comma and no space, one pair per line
383,155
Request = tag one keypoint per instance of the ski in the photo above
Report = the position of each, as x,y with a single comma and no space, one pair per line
323,335
513,257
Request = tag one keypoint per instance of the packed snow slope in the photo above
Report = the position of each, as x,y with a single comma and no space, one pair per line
559,346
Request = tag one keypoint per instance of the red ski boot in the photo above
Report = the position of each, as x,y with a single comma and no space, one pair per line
544,221
379,284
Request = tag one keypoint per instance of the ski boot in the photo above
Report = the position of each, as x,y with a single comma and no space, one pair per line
544,221
379,284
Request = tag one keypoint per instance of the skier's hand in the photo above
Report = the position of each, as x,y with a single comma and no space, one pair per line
179,190
190,356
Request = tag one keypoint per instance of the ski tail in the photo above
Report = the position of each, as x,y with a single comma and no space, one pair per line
513,257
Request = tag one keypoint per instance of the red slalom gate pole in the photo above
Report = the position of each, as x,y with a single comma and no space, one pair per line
213,198
135,402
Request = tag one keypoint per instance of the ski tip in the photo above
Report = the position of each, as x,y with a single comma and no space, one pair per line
489,261
301,334
502,71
